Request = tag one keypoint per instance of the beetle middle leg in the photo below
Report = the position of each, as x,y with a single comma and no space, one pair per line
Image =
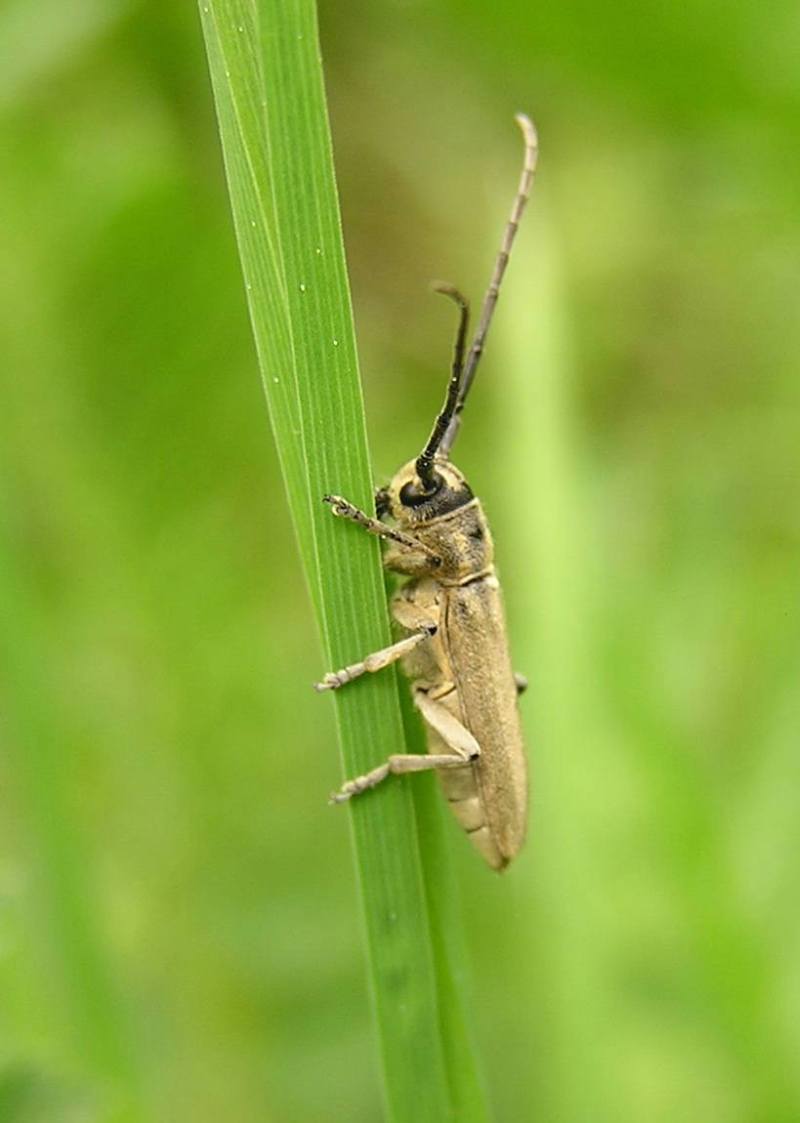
465,750
376,661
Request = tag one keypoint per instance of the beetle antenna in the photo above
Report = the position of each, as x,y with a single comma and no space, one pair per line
490,300
424,464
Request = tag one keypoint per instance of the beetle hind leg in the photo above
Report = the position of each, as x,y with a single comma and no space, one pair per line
455,735
460,785
397,765
465,749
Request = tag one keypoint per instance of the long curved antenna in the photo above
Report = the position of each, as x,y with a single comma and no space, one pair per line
425,459
490,300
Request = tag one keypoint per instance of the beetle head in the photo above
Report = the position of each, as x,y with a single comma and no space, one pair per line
410,504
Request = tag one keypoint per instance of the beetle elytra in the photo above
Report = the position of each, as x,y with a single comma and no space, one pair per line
456,653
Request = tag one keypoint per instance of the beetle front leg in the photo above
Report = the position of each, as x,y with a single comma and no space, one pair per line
344,509
376,661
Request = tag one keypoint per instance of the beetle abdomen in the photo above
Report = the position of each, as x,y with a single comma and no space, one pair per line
475,635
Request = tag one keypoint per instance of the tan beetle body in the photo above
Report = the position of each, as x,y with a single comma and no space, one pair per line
465,666
456,654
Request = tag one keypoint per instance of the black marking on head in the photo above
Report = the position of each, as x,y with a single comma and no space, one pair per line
476,533
440,502
411,495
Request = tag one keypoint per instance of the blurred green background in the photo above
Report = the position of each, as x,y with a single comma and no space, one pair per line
179,928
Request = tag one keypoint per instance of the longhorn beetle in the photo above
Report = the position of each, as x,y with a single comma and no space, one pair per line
456,653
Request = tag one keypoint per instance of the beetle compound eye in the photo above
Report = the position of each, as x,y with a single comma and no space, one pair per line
414,495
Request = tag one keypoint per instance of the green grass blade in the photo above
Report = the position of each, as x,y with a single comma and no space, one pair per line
267,79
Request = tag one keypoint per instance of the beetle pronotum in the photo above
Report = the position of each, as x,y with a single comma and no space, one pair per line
456,653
